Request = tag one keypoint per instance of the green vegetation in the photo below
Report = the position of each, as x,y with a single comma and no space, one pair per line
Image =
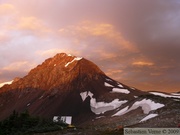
23,123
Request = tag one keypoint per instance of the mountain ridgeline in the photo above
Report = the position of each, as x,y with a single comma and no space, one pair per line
66,85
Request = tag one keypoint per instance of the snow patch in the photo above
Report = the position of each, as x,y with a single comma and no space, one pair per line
135,96
176,94
121,112
120,85
2,84
165,95
118,90
54,65
75,59
107,84
84,95
147,105
109,80
150,116
101,107
69,55
99,117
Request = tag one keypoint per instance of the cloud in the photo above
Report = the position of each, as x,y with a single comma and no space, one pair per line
19,66
12,22
112,72
139,38
6,9
15,69
142,63
54,51
100,32
32,24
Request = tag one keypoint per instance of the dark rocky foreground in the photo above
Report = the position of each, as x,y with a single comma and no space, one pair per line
85,132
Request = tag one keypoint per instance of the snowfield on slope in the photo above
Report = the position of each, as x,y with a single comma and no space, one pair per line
120,90
147,105
101,107
173,95
117,90
107,84
75,59
150,116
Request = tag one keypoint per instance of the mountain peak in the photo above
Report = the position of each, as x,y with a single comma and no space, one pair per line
61,58
62,55
61,69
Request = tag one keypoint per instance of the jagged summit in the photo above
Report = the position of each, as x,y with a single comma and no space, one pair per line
61,59
61,69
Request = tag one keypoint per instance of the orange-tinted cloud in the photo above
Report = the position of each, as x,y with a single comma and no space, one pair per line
33,24
101,31
142,63
7,9
111,72
54,51
12,20
19,66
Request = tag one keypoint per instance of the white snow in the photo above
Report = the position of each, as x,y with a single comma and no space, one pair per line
118,90
135,96
150,116
107,84
101,107
99,117
176,94
69,55
120,85
54,65
121,112
2,84
84,95
109,79
75,59
147,105
165,95
78,58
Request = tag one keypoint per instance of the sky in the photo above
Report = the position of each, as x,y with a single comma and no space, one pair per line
136,42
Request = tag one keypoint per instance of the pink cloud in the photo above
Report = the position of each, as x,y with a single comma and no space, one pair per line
19,66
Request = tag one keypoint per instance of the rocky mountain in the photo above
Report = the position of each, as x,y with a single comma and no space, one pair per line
73,86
